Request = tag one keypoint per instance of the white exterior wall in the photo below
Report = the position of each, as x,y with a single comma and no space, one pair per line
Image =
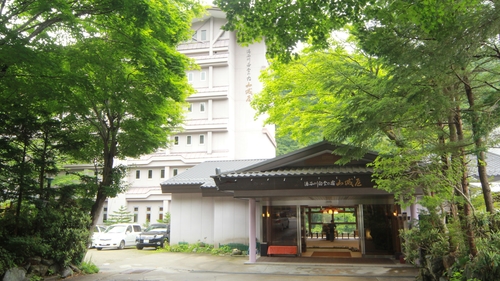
220,76
192,218
231,219
248,62
214,220
219,140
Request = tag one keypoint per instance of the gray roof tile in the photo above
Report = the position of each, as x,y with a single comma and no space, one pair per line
200,174
304,171
492,164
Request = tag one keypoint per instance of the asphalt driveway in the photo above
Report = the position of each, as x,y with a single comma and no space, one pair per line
148,264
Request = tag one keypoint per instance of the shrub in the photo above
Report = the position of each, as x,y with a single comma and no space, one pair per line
54,231
6,261
486,265
197,248
89,267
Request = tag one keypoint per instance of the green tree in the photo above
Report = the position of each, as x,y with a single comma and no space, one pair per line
127,87
120,216
420,86
166,218
86,81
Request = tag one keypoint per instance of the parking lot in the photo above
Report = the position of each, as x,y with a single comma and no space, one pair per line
148,264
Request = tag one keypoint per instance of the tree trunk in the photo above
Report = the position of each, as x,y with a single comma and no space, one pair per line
467,209
480,155
107,181
110,143
21,188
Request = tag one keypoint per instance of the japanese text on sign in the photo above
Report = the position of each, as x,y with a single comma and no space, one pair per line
248,86
352,182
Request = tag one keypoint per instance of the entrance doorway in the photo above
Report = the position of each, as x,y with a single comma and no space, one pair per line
361,230
319,240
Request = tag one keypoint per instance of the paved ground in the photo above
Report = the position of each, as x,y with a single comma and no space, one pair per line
132,264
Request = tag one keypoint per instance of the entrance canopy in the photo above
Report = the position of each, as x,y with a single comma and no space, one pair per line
305,177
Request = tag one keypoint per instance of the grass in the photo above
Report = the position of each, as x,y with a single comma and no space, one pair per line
89,267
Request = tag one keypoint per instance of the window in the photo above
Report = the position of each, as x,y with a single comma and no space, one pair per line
160,216
188,140
137,174
190,77
150,174
162,173
136,214
203,76
148,213
203,35
175,171
202,139
190,107
202,107
176,140
105,214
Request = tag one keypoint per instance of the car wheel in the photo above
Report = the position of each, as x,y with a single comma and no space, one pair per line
139,247
122,245
98,249
164,243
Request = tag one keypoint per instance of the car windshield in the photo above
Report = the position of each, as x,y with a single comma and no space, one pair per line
156,228
116,229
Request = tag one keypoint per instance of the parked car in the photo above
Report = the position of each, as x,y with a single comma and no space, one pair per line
281,221
156,235
118,236
98,229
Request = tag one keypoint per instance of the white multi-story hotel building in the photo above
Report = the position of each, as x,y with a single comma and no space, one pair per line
219,124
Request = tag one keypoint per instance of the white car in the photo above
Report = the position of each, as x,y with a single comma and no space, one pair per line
95,236
119,236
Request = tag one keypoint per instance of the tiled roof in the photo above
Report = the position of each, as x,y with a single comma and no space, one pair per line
304,171
200,174
492,164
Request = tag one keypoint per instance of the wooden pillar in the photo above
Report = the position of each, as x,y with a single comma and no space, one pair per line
252,243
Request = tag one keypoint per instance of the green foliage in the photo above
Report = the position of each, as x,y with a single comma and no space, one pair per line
7,260
286,144
79,82
283,24
88,267
59,231
36,278
330,95
223,250
486,265
120,216
199,247
166,218
419,242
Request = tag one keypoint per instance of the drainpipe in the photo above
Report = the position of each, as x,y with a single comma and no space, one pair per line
252,243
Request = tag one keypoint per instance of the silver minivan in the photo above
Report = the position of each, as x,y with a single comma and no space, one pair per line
118,236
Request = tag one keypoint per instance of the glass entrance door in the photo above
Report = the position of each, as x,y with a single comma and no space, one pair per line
280,225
